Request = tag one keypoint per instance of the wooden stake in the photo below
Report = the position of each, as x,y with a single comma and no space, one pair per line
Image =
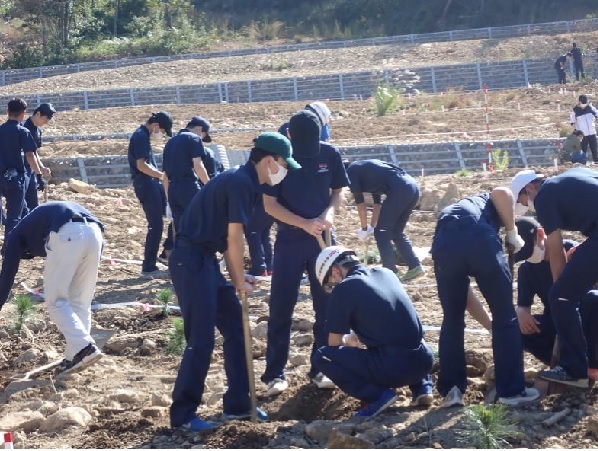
249,355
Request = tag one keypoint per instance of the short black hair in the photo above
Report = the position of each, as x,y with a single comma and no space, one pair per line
577,132
568,54
256,155
16,106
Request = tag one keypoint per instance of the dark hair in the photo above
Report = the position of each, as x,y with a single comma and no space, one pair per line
577,132
574,44
16,106
256,155
568,54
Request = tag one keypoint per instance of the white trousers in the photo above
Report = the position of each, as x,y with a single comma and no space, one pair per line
70,276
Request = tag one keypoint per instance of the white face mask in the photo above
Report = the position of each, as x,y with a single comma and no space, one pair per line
530,205
520,209
538,255
275,179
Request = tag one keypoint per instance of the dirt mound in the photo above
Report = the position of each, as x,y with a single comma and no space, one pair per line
307,403
241,434
111,433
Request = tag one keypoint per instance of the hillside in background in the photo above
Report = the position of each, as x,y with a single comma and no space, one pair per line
46,32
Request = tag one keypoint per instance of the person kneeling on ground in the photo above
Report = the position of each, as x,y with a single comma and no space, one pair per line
538,332
373,303
571,151
70,238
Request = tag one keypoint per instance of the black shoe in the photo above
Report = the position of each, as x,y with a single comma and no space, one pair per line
85,357
560,375
163,257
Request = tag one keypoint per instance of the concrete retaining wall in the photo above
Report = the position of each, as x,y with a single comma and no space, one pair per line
435,158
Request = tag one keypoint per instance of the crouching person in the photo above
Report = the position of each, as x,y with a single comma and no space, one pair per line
70,238
373,303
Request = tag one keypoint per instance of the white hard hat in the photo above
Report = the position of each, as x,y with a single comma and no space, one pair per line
328,257
521,179
322,111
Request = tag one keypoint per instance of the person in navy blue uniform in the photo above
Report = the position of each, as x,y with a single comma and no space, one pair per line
389,219
70,239
466,243
568,201
371,306
561,69
324,114
211,163
183,167
257,234
148,187
15,141
303,206
535,279
34,123
213,222
576,54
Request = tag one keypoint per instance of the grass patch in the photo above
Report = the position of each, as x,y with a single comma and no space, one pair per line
463,172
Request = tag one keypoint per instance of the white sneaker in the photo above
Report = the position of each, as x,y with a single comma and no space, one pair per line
322,381
276,386
453,398
529,394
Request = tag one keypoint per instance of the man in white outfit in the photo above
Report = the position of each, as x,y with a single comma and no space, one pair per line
70,238
583,117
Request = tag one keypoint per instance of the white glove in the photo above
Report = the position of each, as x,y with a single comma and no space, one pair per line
515,240
363,234
351,339
168,211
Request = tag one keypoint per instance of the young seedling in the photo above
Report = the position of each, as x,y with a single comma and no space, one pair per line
386,99
176,338
165,297
501,159
487,427
25,309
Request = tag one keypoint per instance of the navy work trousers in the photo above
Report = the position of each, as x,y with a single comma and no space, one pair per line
365,373
294,252
461,250
13,191
540,345
150,193
401,198
565,296
180,194
206,301
257,234
31,199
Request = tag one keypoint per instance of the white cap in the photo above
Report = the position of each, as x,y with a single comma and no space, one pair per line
521,179
322,111
328,257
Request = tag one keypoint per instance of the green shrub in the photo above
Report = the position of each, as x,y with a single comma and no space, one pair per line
463,172
385,100
487,427
176,338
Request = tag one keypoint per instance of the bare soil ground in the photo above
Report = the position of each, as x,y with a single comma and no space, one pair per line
309,62
537,112
127,393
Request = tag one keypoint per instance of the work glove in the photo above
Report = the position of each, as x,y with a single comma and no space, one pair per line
168,211
363,234
515,240
41,183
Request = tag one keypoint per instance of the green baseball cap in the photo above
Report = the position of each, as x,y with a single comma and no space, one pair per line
275,143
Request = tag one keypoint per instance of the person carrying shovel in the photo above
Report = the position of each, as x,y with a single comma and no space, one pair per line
213,222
